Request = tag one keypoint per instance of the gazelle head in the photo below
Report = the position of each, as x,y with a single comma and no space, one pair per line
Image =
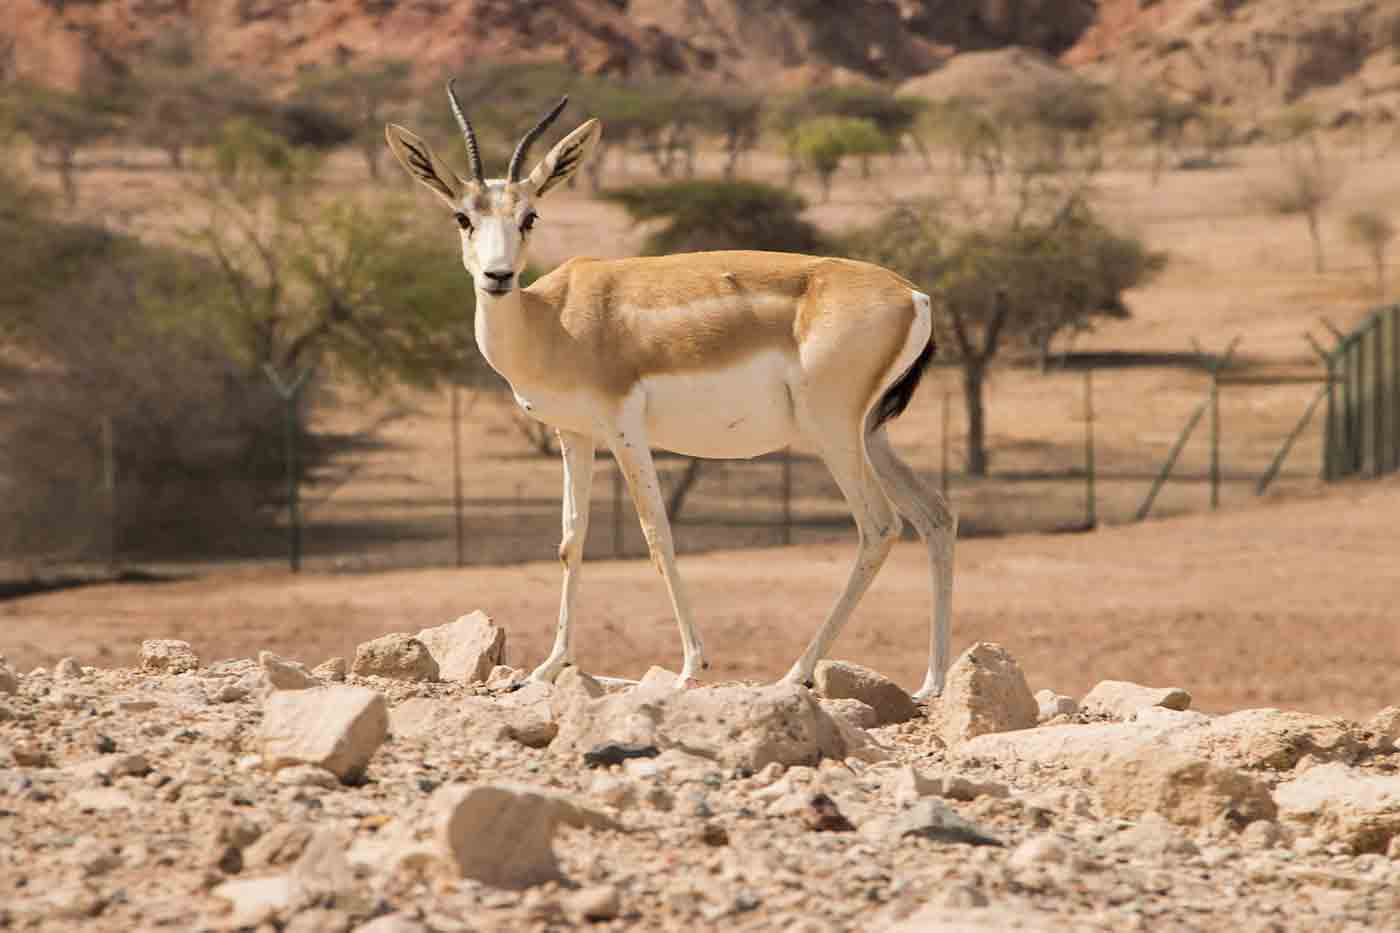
495,215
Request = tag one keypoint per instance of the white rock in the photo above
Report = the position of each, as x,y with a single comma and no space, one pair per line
1120,699
467,649
1051,704
837,680
1386,725
1341,804
168,656
1261,835
909,785
935,918
1271,739
593,904
68,669
254,901
986,692
395,656
657,679
110,766
307,776
1152,836
285,674
469,823
1184,789
613,791
1037,851
735,726
332,670
101,799
336,728
852,712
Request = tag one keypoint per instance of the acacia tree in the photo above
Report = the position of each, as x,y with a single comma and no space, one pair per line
825,142
1373,231
60,124
362,96
301,282
1023,280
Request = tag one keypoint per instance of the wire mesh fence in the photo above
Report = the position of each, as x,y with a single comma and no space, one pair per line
1095,440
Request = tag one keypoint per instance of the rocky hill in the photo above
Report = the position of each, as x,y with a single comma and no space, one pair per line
796,40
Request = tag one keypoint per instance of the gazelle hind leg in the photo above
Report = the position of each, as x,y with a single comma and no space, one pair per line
629,446
577,451
937,524
878,526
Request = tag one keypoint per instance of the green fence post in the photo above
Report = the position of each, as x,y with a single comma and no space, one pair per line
1091,518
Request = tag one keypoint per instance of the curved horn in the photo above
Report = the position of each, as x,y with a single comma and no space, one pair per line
472,154
522,150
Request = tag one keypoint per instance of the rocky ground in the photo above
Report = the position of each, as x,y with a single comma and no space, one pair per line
426,786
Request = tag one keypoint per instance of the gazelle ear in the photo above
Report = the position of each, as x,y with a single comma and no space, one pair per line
419,161
565,158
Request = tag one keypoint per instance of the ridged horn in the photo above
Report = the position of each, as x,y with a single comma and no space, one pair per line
473,155
523,150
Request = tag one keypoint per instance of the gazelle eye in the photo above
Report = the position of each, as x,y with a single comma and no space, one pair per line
528,223
463,221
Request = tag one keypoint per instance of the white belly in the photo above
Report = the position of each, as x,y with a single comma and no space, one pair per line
741,411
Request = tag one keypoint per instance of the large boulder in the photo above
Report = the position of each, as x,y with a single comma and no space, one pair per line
735,726
986,692
1186,790
336,728
1271,739
1345,805
466,649
838,680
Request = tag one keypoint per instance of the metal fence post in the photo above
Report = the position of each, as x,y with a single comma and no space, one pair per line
1091,519
109,488
291,395
617,508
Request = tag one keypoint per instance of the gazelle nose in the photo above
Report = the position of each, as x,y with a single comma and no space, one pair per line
500,280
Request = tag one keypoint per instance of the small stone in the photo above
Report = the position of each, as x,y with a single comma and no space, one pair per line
30,755
285,674
389,923
659,798
466,650
852,712
168,656
929,819
230,693
395,656
335,728
1386,726
1154,837
823,816
104,744
504,677
68,669
613,791
332,670
615,753
1261,835
657,678
594,903
986,692
470,822
842,679
1052,704
1038,851
713,834
1120,699
307,776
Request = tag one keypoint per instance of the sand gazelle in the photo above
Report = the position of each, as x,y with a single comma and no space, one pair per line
722,355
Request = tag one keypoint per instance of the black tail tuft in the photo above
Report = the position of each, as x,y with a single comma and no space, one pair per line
897,396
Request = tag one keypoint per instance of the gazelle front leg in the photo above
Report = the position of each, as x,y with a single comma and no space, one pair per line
577,451
629,448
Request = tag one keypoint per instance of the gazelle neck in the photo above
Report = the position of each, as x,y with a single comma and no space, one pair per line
501,328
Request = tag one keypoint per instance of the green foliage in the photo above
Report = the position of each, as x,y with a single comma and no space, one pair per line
60,123
710,215
1047,272
299,283
360,97
892,116
93,338
1373,231
824,141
